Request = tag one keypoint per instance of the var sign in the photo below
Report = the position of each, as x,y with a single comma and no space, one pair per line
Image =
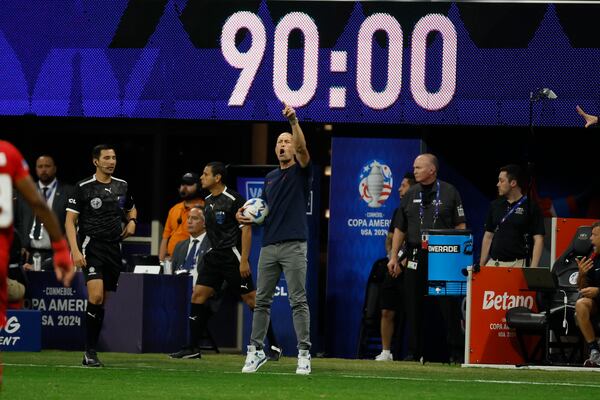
254,188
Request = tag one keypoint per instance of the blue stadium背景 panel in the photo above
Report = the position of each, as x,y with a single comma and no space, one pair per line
228,60
365,177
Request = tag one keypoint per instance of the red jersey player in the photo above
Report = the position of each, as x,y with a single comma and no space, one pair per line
14,173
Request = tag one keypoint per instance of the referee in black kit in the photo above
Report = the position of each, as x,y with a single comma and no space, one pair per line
430,204
99,216
227,260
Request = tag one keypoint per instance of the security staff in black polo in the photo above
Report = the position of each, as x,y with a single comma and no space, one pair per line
512,221
430,204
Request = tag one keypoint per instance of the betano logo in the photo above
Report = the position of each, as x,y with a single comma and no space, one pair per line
505,301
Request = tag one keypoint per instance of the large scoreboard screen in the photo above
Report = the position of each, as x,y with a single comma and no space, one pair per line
354,62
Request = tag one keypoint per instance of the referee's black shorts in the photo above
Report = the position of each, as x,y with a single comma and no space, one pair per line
223,265
103,261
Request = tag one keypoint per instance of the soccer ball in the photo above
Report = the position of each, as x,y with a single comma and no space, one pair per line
256,209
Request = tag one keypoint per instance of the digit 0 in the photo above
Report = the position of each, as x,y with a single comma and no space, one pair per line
306,25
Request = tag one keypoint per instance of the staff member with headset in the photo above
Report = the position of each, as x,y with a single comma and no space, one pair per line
511,221
175,225
430,204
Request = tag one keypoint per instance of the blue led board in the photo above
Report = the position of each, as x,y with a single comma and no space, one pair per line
335,62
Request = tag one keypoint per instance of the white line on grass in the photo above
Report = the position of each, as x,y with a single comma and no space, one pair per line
401,378
397,378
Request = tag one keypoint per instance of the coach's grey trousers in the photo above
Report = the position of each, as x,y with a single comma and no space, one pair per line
289,258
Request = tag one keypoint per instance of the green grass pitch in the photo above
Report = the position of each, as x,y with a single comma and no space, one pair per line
58,375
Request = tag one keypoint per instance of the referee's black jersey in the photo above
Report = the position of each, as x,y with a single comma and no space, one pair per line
509,243
222,228
450,210
101,208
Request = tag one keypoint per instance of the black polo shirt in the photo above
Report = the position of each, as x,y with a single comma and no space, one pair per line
101,208
446,213
391,228
222,228
509,242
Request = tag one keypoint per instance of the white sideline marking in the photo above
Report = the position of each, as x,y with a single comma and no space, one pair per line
397,378
532,367
400,378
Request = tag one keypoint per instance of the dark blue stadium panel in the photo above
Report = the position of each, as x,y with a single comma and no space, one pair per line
411,63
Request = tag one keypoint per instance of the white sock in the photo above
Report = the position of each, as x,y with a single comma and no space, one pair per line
385,352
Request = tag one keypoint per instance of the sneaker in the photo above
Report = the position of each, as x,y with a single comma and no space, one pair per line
594,360
303,363
275,353
254,359
385,355
90,359
187,352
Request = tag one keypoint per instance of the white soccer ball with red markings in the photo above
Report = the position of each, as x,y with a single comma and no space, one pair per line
256,209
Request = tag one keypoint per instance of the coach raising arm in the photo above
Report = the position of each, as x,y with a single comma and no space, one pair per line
286,192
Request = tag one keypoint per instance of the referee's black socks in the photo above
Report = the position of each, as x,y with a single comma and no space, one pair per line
94,315
199,316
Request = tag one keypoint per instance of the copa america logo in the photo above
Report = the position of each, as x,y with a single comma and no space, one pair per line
375,183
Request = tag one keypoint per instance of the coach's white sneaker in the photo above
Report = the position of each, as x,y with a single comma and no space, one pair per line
385,355
303,363
254,359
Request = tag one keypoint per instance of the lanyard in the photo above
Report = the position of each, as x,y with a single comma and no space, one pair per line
511,211
436,213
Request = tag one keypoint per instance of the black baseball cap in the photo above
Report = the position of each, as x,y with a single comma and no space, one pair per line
190,178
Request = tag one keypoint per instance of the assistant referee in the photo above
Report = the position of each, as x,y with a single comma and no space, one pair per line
100,214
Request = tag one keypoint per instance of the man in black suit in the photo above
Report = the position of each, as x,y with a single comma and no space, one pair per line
189,253
35,237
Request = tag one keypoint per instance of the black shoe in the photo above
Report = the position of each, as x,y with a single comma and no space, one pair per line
187,352
90,359
275,353
409,357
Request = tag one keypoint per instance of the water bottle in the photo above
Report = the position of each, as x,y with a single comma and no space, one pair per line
167,267
37,261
